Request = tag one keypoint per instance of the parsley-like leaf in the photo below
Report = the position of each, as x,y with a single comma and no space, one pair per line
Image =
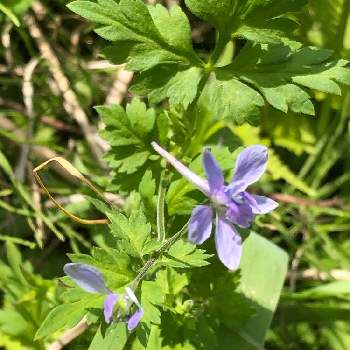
113,264
149,35
133,233
128,132
259,21
184,255
279,75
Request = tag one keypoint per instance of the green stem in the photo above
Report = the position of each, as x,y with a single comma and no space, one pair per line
220,45
153,259
160,208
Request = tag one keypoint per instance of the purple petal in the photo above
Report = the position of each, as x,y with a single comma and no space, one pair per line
135,319
214,174
200,183
109,306
251,164
200,224
86,277
240,214
228,244
130,294
260,204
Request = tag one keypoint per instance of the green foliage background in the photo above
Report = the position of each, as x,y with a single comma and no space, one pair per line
223,74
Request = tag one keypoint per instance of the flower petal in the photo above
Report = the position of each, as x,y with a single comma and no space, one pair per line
132,296
214,174
240,214
262,204
134,320
109,306
136,317
251,164
200,224
200,183
86,277
228,244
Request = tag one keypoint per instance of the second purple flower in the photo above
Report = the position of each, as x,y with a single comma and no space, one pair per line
91,280
230,204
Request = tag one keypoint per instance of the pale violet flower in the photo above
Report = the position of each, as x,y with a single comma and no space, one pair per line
231,204
91,280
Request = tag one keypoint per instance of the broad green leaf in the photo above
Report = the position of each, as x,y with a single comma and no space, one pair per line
154,340
263,270
15,261
14,324
68,315
152,295
112,338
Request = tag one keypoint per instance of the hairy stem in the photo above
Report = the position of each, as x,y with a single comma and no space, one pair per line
160,251
160,208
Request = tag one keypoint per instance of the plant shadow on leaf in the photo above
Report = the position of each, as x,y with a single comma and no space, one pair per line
231,308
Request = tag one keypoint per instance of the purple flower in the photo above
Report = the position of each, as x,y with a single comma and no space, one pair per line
232,204
91,280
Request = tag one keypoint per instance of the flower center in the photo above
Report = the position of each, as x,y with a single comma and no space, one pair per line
238,198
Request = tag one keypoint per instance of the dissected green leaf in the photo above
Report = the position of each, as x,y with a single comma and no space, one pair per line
233,99
128,132
147,186
133,233
154,35
256,20
185,255
279,75
113,264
